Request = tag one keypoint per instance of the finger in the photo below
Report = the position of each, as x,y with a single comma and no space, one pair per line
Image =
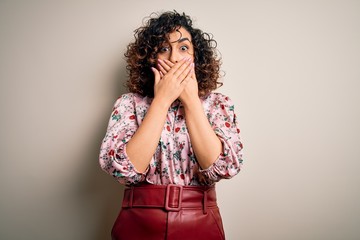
183,68
164,65
161,69
189,75
161,75
185,82
156,74
169,63
178,65
183,71
193,72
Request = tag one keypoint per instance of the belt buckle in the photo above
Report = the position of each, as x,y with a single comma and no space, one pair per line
168,191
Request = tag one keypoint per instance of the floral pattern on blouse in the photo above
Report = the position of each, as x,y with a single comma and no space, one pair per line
174,161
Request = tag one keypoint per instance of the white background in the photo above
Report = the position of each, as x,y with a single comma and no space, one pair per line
292,70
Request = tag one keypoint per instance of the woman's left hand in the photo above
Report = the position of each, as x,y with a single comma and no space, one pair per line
190,91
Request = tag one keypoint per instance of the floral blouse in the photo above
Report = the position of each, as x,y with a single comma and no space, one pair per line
174,161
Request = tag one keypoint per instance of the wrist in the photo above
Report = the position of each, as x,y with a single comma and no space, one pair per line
192,102
161,103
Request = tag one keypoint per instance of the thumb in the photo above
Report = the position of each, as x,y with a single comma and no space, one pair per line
156,74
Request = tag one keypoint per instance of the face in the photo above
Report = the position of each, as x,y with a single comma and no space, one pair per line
177,46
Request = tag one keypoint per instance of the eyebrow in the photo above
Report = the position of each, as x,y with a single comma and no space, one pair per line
181,40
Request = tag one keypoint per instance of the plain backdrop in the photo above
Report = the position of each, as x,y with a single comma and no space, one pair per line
292,69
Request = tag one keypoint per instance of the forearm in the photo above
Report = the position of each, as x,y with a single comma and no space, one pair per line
206,145
142,145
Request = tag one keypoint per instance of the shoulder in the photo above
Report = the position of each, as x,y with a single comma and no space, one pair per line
218,104
216,99
130,99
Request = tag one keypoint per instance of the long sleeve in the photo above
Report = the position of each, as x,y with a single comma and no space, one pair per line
122,125
174,161
221,115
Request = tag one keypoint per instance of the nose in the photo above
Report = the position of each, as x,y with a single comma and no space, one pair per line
175,56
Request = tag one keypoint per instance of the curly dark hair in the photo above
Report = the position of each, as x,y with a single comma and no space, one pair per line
141,54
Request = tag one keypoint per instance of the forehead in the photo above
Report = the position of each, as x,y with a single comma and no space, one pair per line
178,34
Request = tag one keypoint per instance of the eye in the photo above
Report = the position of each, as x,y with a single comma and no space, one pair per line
164,49
184,48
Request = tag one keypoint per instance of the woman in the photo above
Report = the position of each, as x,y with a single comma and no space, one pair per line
171,138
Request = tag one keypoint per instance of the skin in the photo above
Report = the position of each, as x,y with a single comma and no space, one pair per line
175,79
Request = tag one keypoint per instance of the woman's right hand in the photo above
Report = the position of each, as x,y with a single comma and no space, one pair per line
169,86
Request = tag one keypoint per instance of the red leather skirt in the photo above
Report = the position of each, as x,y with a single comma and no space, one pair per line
169,212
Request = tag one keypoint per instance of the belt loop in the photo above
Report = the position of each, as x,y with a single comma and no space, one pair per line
131,196
205,202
